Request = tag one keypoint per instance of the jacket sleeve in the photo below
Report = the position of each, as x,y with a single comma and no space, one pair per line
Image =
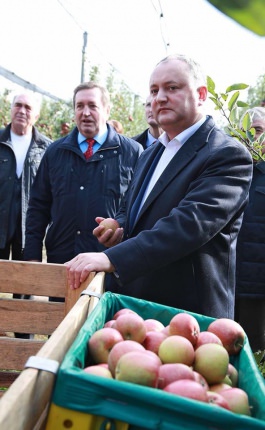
38,213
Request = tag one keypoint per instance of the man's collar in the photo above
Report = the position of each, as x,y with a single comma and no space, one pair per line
184,135
100,137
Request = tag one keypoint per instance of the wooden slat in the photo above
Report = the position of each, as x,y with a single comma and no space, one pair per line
73,295
39,279
24,402
7,378
15,352
30,316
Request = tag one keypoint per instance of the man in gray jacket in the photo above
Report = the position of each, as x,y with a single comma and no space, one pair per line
21,150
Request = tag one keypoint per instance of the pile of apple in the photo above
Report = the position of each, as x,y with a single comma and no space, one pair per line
177,358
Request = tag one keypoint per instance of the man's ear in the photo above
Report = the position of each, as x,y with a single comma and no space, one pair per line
36,117
202,93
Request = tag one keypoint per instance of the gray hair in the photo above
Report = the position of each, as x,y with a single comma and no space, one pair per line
255,113
34,99
195,68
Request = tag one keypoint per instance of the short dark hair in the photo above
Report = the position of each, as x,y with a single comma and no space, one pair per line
105,97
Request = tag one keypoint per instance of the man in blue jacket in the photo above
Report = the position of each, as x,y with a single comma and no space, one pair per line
81,175
180,225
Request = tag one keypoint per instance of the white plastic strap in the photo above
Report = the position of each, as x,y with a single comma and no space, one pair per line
88,292
42,363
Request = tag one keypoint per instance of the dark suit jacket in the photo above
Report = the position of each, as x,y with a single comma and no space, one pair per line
142,138
181,251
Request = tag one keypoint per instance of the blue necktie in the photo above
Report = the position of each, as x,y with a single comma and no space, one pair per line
139,198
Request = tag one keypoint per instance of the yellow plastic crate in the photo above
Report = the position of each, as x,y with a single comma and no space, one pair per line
62,419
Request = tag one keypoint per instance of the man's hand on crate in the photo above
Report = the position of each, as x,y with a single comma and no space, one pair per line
80,266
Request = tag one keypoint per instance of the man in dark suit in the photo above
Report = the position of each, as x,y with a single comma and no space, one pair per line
177,246
151,134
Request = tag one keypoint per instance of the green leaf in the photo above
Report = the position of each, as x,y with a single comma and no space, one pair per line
236,87
248,13
251,134
224,96
246,122
233,117
210,84
232,101
216,102
242,104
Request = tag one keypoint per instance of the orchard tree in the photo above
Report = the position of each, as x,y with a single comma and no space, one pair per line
126,107
256,94
4,108
52,117
238,124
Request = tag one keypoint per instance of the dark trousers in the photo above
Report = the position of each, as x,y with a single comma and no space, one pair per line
250,314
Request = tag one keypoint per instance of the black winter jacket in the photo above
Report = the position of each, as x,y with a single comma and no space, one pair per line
8,179
250,278
70,191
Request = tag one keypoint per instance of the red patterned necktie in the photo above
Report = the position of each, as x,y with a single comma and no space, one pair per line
89,152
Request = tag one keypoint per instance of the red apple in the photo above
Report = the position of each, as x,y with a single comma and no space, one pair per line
135,367
101,342
217,399
211,361
153,340
118,350
176,349
227,381
237,400
207,337
185,325
122,312
109,323
153,325
165,330
171,372
99,370
153,356
109,223
187,388
217,388
200,379
131,326
230,332
232,374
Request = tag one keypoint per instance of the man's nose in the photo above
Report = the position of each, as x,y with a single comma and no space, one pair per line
22,108
160,95
86,110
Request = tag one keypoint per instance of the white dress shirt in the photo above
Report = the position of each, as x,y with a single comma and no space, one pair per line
171,148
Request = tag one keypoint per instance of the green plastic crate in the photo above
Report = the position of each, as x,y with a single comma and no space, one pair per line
144,407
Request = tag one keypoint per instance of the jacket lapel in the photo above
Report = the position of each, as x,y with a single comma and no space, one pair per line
146,160
181,159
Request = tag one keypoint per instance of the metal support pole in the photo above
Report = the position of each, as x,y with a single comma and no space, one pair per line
83,56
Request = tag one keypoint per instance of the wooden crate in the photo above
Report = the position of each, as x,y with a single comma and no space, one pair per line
24,405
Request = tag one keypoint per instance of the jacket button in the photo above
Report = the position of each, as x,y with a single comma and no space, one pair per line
81,188
78,232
